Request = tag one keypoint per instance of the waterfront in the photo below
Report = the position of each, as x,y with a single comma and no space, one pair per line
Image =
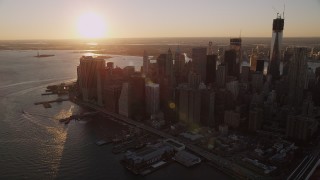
35,145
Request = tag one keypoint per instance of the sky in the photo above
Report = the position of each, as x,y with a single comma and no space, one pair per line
59,19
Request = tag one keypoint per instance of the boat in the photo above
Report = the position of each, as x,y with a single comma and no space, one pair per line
43,55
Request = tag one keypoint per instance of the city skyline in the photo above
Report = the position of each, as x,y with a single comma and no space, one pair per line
141,19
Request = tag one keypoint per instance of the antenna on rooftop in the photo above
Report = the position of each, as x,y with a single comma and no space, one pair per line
275,10
284,8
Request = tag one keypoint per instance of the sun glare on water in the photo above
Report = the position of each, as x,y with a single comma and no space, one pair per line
91,25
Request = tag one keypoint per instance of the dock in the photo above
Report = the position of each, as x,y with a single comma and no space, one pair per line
220,163
76,116
47,104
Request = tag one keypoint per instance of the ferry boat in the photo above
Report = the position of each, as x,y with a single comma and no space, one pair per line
43,55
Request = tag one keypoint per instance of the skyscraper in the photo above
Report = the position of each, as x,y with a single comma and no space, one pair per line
179,62
145,63
194,80
233,87
210,48
161,65
255,119
111,95
137,91
207,108
169,64
253,59
189,109
230,59
260,65
89,77
275,52
221,75
301,127
235,44
245,71
152,98
297,76
199,59
125,100
257,81
211,68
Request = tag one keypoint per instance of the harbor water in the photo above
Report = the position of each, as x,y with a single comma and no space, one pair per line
35,145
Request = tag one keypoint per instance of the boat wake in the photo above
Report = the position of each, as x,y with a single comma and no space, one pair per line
37,81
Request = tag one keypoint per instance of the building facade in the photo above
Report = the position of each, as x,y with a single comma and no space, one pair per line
199,59
89,77
275,52
152,98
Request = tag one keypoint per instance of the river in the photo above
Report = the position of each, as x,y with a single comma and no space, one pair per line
34,145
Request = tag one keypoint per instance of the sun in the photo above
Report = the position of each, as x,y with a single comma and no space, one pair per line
91,25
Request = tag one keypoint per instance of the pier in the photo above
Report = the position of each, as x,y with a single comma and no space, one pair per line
77,116
46,104
224,165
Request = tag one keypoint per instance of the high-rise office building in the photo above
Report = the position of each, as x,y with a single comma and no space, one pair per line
232,118
211,68
207,108
257,81
260,65
161,65
189,109
199,59
128,71
275,52
255,119
194,80
146,63
137,91
235,44
210,49
221,75
125,100
111,97
179,62
253,59
89,78
245,72
233,87
230,59
152,98
169,64
297,76
301,127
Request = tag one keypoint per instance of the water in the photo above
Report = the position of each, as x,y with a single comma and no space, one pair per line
34,145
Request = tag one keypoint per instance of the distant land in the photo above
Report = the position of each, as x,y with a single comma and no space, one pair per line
154,46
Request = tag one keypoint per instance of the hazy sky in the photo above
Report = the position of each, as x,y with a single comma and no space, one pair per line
57,19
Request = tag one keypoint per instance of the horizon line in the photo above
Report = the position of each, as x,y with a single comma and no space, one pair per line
99,39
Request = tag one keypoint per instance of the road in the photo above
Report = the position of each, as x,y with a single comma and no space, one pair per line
307,166
221,163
